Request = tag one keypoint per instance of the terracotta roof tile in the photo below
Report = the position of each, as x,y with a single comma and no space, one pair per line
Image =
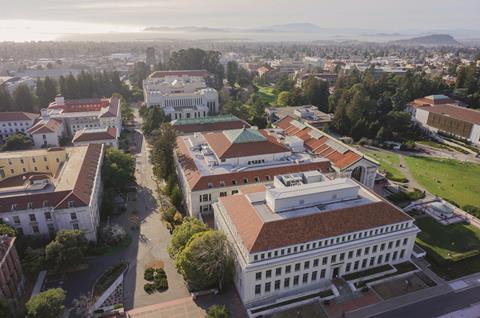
91,135
17,116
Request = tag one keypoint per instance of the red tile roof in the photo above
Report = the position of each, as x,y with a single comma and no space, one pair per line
17,116
87,135
159,74
111,105
199,182
258,235
224,148
45,127
320,145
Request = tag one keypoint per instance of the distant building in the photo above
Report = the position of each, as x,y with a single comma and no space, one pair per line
13,122
46,190
151,59
11,83
84,114
330,78
11,275
210,123
295,236
439,113
306,113
181,94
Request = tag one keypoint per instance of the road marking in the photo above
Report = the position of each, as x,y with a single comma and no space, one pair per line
457,285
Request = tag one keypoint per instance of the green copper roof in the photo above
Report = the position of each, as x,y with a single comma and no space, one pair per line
205,120
245,135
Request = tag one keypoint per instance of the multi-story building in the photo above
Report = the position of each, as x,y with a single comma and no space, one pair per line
80,114
217,164
439,113
181,94
11,275
46,190
106,136
13,122
46,132
298,234
345,160
209,123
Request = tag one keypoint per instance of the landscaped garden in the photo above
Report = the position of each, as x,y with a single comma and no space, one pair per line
389,162
452,180
157,279
453,250
108,278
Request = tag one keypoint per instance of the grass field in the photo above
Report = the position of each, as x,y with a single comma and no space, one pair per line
450,242
389,162
266,94
447,178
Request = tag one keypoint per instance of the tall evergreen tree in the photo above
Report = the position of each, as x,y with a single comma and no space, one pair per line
6,101
23,99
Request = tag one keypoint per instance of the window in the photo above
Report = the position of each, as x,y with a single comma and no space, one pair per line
51,228
347,268
288,269
397,243
374,250
286,282
322,273
295,280
342,256
380,259
314,276
32,217
382,247
306,265
334,258
367,250
234,182
234,192
405,241
305,278
210,185
73,216
364,263
29,205
16,219
258,276
350,254
402,253
355,265
35,229
325,260
387,257
71,204
394,256
19,230
267,287
222,183
21,161
267,178
390,244
268,273
372,261
223,194
33,159
48,216
255,257
277,284
257,179
45,159
315,262
75,226
45,203
257,289
245,180
359,252
297,267
278,271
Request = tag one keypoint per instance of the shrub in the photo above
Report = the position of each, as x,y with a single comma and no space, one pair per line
218,311
113,234
158,279
176,196
8,230
168,215
149,274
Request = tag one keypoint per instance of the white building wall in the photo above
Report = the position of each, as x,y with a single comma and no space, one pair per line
12,127
47,139
475,135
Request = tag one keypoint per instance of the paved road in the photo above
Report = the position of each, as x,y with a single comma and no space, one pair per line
437,306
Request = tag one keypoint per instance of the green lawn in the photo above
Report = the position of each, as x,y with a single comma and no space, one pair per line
389,162
450,242
450,179
266,94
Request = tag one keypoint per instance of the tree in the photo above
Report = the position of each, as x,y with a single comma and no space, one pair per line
48,304
7,307
17,141
67,250
118,170
232,73
316,93
23,99
218,311
8,230
140,72
183,233
71,88
165,141
153,117
176,196
206,261
33,261
81,308
283,98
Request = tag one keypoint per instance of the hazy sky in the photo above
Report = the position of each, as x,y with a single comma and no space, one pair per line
120,15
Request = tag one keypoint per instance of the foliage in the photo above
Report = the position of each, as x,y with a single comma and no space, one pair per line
206,261
176,196
404,196
467,86
113,234
17,141
67,250
316,93
127,112
183,233
283,99
153,117
7,307
108,277
140,72
218,311
172,216
164,143
237,75
118,170
24,100
158,279
33,261
6,100
81,308
47,304
7,229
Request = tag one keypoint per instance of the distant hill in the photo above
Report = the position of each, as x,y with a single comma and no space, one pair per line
430,40
289,27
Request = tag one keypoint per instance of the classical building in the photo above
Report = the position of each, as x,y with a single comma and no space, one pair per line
83,114
293,237
439,113
345,160
11,275
217,164
13,122
181,94
46,190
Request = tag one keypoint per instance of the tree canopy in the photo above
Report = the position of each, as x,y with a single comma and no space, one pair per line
8,230
47,304
164,143
118,170
17,141
67,250
183,233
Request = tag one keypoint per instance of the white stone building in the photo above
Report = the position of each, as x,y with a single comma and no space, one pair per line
292,238
216,164
46,132
43,191
181,94
13,122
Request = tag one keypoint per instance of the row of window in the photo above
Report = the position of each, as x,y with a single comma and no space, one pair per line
179,115
22,161
11,130
48,216
314,275
24,170
245,181
15,124
329,242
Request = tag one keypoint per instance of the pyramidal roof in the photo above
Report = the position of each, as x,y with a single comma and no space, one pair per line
244,135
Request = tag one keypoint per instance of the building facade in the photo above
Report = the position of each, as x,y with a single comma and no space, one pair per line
181,94
13,122
105,136
298,234
11,275
46,132
43,191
